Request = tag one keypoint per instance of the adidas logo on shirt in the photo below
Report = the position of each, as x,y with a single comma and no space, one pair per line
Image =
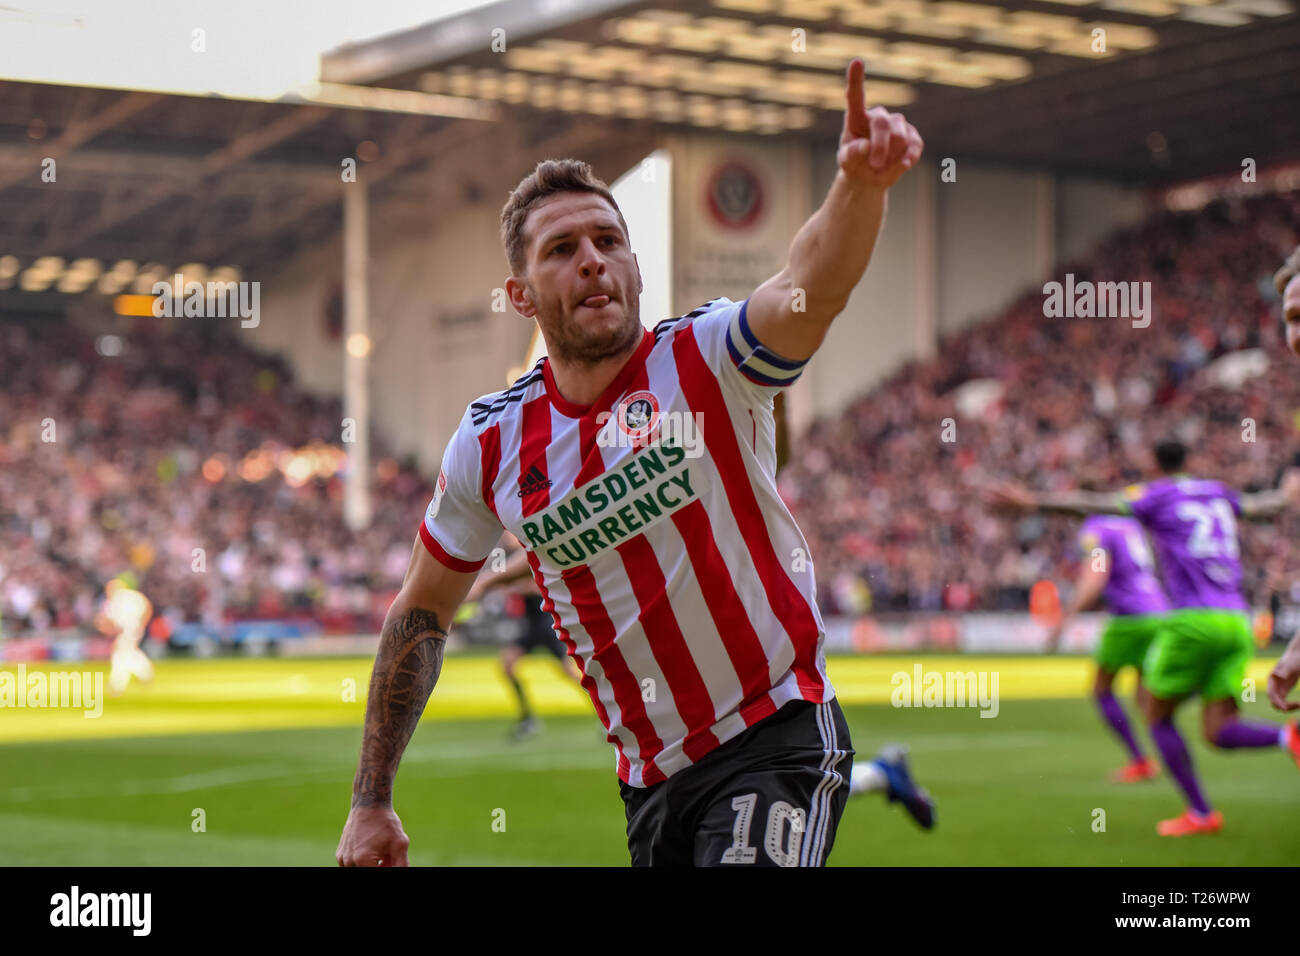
533,482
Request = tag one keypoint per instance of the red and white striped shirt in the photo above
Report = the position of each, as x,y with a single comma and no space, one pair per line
676,577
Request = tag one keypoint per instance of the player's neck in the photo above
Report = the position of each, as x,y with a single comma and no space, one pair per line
582,383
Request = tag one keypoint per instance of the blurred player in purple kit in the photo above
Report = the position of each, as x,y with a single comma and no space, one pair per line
1206,643
1119,568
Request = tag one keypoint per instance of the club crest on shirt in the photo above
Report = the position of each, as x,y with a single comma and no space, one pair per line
638,414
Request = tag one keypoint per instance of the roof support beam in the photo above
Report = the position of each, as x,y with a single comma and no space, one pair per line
234,152
76,134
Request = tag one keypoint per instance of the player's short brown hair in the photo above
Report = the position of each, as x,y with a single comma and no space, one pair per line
1290,269
551,176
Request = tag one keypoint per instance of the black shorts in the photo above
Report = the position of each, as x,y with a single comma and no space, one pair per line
771,796
539,633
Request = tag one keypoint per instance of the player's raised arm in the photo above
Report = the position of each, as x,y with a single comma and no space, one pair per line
1266,505
790,312
406,668
1284,676
1016,497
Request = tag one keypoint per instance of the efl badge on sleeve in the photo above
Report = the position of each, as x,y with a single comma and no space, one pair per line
437,494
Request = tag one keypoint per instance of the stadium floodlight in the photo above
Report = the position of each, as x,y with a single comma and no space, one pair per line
535,58
115,279
193,272
745,74
1125,36
147,276
967,15
40,275
752,6
998,66
31,281
798,117
110,284
514,88
1215,16
706,82
79,276
1147,8
811,9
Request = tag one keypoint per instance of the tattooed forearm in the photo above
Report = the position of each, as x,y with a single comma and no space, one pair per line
406,668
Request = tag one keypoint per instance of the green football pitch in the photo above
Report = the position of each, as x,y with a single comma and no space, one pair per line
250,762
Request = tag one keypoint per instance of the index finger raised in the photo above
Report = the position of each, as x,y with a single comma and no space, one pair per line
855,115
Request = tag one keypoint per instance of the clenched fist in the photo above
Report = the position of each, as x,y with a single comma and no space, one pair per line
373,836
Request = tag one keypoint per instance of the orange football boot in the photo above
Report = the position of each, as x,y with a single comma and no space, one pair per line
1191,823
1144,768
1293,741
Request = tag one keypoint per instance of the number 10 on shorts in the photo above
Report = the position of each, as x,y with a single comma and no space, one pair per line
783,849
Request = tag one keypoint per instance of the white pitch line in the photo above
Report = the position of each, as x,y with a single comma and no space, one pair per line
186,783
990,740
433,762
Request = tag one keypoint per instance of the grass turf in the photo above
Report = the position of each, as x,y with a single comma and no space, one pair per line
266,750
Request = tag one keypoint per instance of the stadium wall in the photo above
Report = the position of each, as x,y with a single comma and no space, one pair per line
437,343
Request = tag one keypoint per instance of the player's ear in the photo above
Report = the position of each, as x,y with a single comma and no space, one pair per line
517,290
640,283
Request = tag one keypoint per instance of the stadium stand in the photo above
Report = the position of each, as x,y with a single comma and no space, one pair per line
150,459
166,439
890,508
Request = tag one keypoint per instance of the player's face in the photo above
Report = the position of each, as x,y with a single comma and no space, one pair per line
1291,314
582,285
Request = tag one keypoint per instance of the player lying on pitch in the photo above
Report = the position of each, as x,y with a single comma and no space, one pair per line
1206,643
667,568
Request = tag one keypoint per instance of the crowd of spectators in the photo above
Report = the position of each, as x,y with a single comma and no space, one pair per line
162,450
162,453
893,512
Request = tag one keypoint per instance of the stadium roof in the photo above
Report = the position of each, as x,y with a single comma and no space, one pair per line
1172,89
147,182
